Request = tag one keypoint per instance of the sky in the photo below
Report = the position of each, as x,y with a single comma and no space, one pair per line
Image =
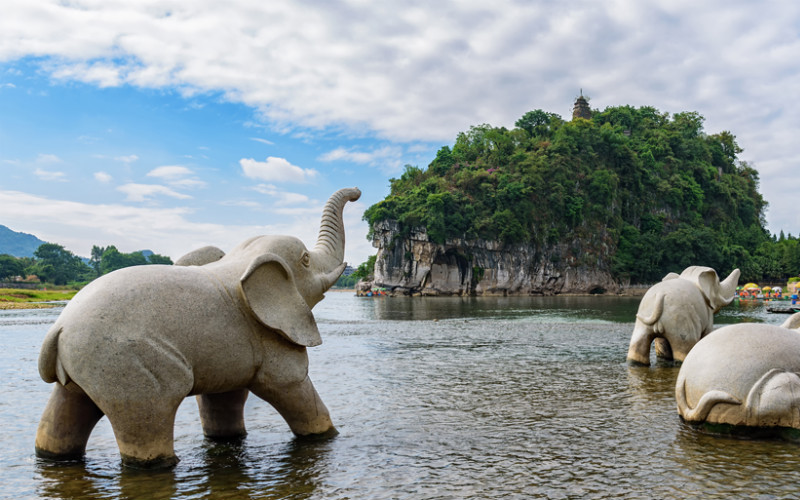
170,125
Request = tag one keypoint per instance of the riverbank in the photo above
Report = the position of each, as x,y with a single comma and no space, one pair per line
12,298
17,298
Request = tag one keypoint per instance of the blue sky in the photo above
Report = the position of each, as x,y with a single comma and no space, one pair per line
171,125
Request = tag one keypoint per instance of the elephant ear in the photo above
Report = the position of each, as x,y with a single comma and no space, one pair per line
271,294
707,281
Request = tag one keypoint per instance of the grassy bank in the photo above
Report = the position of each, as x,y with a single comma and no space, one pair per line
14,298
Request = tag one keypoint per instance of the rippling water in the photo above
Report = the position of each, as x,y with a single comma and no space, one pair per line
434,398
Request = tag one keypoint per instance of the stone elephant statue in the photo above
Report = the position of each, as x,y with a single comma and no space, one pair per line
134,343
743,375
680,310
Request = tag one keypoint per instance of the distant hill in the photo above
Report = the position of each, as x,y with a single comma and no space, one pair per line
18,244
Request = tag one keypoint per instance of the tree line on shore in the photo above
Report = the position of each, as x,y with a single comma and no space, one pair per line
363,271
52,263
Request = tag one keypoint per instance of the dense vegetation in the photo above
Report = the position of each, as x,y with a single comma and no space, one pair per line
648,192
53,263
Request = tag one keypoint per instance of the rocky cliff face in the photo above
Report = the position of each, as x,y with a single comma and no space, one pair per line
415,265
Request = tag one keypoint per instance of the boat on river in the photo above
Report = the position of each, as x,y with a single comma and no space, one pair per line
783,308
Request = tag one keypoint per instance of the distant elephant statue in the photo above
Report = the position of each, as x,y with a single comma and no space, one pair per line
134,343
746,375
680,310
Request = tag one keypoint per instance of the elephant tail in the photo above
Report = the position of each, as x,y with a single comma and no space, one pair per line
658,309
704,406
50,368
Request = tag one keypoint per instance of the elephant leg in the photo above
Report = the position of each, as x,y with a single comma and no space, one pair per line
222,415
144,432
681,346
66,424
639,349
301,407
663,348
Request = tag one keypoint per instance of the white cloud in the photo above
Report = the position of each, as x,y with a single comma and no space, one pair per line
102,177
344,154
389,158
50,175
169,172
192,183
241,203
267,189
280,197
263,141
145,192
427,71
127,159
177,176
47,158
168,231
275,170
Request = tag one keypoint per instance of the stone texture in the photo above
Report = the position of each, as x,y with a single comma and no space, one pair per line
414,265
134,343
678,312
746,374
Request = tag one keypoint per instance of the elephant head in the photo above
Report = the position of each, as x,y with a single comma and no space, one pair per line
718,294
284,281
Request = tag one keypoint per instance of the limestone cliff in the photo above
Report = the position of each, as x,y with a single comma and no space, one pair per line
415,265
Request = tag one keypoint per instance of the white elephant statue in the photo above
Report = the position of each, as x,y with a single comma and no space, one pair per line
134,343
745,375
680,310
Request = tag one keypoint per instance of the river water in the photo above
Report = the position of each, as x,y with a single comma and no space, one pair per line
445,398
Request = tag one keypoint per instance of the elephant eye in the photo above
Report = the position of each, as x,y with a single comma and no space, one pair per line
305,259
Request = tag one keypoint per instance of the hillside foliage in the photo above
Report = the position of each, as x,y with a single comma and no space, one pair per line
662,193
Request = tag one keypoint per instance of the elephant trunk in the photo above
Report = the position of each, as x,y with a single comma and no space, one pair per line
727,288
329,250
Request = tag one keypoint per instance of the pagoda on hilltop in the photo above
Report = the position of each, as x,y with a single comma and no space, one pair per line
581,108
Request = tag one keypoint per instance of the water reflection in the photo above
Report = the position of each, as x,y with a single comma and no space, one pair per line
438,308
68,481
223,470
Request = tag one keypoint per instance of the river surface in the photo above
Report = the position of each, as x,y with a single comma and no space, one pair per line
434,398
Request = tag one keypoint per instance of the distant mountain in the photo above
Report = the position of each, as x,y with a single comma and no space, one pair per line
18,244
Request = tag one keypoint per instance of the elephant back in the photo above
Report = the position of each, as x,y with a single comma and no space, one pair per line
748,367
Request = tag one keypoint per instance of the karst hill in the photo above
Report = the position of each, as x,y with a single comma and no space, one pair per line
588,205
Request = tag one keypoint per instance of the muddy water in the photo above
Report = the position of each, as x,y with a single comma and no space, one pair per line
434,398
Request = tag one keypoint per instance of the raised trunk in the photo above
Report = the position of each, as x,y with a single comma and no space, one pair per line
728,287
329,250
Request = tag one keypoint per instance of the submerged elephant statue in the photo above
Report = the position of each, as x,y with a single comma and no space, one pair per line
134,343
742,375
680,310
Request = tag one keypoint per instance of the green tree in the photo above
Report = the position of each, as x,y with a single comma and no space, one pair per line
538,122
112,259
57,265
366,268
10,267
96,258
159,259
364,271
